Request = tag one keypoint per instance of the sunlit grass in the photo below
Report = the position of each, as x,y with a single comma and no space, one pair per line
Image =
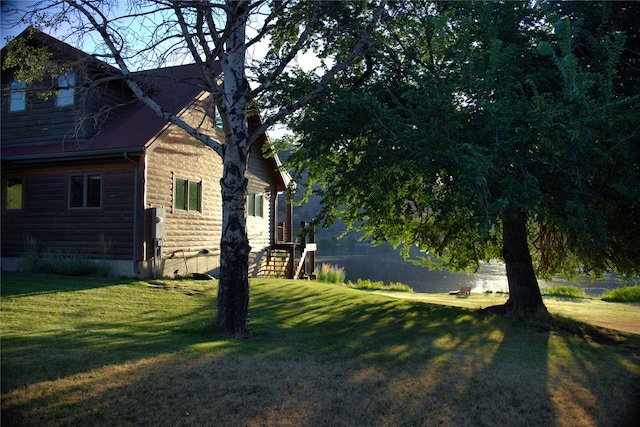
99,352
623,294
563,291
365,284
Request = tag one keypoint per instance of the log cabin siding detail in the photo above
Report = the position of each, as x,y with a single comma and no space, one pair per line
45,215
176,155
259,175
138,157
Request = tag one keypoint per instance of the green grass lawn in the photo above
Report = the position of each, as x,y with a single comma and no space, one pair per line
87,351
623,317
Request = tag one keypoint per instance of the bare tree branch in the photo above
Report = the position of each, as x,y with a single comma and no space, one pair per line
102,28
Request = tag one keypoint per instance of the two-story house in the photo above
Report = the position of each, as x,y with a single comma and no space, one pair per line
88,170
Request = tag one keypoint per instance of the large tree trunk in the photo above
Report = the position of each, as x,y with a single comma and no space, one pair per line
233,289
525,299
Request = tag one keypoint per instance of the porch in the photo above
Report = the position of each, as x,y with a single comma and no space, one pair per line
291,258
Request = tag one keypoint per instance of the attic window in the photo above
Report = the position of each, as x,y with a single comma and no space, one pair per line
18,100
66,83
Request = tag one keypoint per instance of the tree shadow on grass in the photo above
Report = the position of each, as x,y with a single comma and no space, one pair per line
16,284
432,365
320,358
606,373
302,367
48,336
557,372
511,387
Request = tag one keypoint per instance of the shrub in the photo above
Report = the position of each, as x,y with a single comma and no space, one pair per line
64,261
31,259
69,263
379,285
104,265
331,274
563,291
624,294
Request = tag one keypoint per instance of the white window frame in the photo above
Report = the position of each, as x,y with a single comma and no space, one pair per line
18,96
66,89
86,177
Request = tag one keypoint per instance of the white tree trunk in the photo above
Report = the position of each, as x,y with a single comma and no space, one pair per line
233,290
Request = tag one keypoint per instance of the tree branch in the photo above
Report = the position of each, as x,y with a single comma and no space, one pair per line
302,39
302,102
102,29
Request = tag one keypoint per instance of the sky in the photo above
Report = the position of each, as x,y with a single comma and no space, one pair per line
6,28
9,29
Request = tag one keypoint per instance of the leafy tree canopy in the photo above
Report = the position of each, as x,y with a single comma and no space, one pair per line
465,114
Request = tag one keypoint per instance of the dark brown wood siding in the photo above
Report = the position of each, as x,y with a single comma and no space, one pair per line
46,216
42,120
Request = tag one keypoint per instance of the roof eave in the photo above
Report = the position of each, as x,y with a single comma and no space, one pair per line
74,155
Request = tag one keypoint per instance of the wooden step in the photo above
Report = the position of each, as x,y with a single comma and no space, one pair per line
275,264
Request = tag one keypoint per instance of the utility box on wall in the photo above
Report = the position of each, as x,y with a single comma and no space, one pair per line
158,223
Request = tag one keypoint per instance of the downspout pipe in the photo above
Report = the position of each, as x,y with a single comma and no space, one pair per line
135,211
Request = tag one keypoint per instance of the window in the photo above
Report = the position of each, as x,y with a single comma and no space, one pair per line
187,195
85,191
254,205
66,83
18,99
14,193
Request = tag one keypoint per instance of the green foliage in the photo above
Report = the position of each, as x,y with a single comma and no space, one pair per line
624,294
331,274
104,263
379,286
64,261
564,291
31,63
30,260
474,109
68,263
